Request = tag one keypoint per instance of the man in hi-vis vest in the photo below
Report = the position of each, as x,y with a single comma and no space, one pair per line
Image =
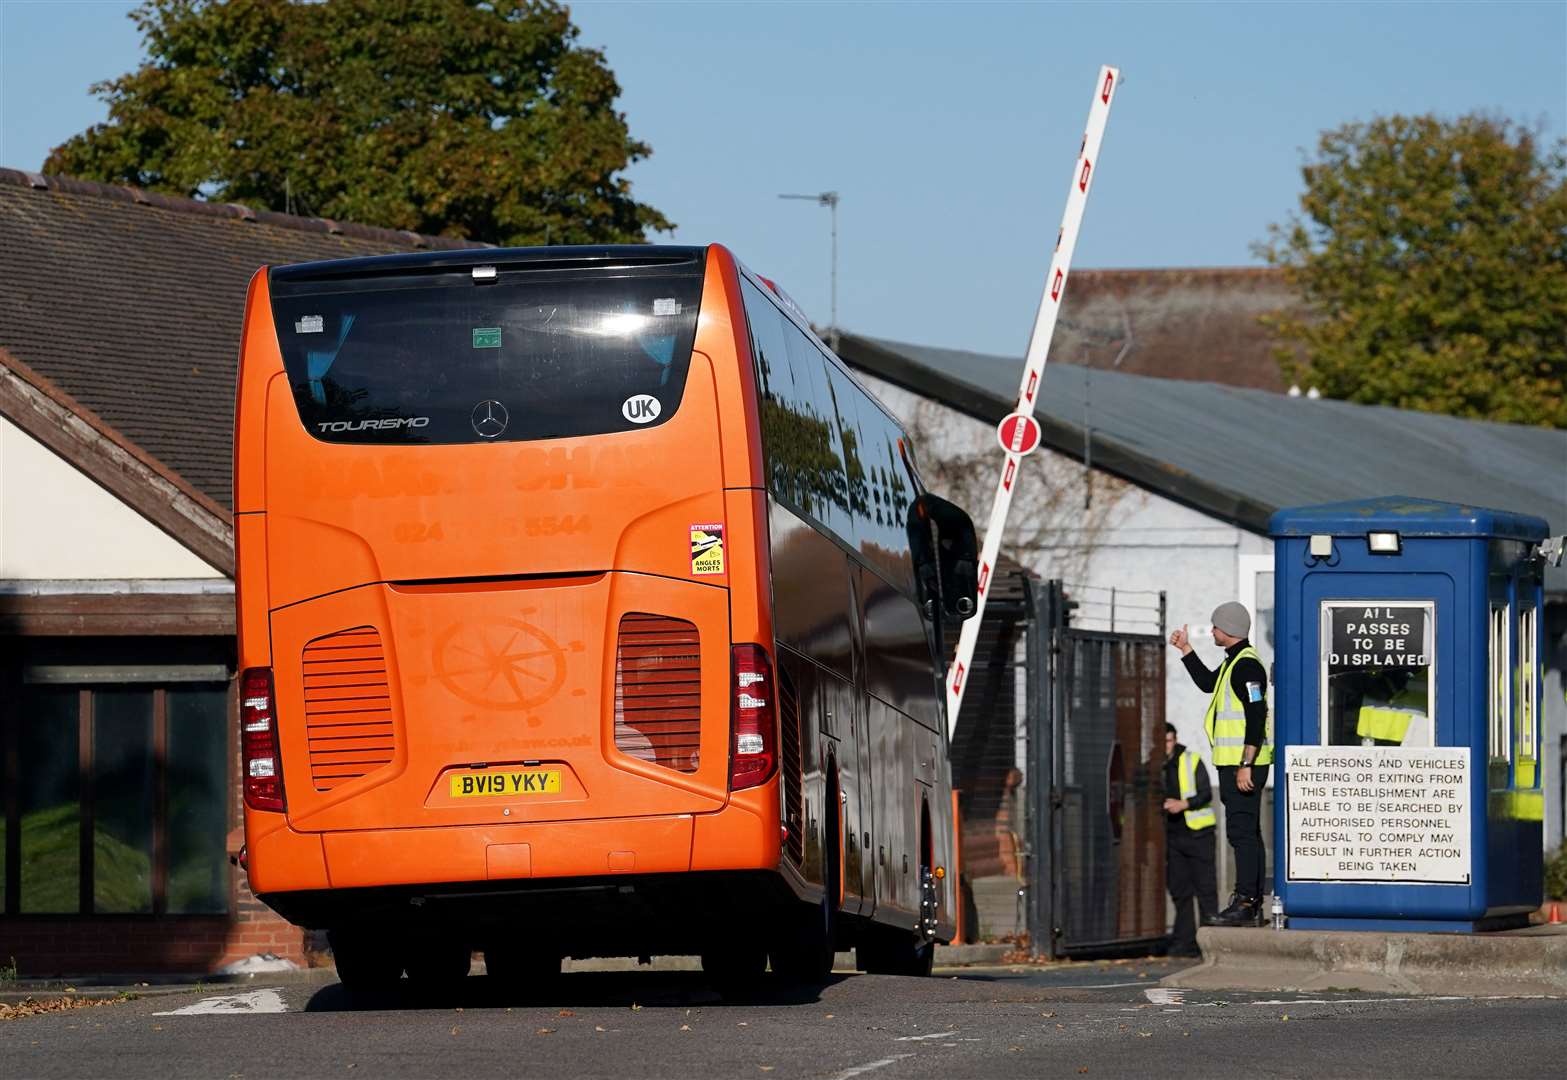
1240,731
1188,842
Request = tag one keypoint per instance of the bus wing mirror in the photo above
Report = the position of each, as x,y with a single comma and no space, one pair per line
946,557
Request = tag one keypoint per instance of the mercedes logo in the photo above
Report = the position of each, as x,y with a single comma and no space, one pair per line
489,419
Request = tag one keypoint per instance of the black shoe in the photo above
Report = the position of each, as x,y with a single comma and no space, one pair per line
1241,912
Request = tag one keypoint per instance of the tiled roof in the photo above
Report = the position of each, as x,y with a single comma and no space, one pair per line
131,302
1201,325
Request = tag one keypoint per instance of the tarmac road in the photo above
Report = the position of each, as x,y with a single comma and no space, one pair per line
1101,1019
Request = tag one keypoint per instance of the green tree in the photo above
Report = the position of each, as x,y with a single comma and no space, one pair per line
470,118
1432,257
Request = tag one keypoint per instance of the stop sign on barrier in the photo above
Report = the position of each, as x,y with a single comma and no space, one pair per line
1019,434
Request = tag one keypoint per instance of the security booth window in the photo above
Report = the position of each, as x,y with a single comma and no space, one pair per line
1526,675
1378,673
1499,694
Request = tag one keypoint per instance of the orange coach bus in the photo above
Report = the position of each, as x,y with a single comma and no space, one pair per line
588,606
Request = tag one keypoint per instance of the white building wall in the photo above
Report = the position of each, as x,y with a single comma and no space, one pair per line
1139,543
56,523
1134,541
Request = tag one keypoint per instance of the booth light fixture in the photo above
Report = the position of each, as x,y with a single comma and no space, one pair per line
1383,543
1321,546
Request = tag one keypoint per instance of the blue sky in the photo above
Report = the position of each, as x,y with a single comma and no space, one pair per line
950,129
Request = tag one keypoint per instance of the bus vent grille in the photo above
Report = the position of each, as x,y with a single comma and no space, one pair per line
658,691
789,744
348,706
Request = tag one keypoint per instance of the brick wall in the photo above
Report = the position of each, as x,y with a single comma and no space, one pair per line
76,945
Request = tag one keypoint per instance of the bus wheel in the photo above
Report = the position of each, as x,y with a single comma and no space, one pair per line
436,961
734,967
364,961
517,964
807,942
887,950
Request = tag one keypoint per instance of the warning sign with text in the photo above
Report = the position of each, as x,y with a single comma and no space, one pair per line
1379,636
1377,814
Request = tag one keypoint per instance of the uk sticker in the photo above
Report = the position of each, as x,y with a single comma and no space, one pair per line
309,324
707,549
641,408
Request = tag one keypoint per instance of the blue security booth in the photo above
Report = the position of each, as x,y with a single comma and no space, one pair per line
1407,715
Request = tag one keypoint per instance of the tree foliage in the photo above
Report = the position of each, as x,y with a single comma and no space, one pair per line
471,118
1432,256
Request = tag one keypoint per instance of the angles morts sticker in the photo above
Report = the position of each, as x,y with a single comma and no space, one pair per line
707,549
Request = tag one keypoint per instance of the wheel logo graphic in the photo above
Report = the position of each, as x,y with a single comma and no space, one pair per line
501,663
489,419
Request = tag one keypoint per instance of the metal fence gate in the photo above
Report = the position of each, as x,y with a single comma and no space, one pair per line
1096,756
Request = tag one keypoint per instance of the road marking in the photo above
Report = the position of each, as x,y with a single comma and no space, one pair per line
859,1070
1098,986
1349,1001
257,1001
1161,996
921,1038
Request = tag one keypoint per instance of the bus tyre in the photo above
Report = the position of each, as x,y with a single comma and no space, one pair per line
519,965
439,962
734,968
886,950
364,961
807,942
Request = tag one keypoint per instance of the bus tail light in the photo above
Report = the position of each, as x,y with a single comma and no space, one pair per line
754,727
262,764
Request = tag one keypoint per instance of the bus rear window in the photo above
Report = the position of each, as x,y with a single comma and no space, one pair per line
533,355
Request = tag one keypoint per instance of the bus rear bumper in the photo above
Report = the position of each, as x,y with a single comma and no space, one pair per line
286,861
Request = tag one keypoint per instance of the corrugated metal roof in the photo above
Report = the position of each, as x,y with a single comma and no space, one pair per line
1239,454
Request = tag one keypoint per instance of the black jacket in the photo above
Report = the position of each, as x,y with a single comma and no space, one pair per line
1247,671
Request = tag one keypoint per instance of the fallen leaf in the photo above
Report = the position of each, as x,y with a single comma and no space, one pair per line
455,1029
745,1024
565,1012
685,1027
1284,1018
545,1031
635,1007
1014,1048
1145,1034
1082,1068
828,1016
1048,1015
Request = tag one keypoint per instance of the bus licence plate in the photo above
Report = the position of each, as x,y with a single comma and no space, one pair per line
503,782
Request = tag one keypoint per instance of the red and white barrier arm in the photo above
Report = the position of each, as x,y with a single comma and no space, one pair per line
1013,436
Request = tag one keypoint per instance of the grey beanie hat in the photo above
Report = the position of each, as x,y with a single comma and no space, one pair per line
1233,618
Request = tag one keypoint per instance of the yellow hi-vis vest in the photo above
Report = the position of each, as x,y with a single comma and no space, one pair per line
1187,770
1390,720
1226,719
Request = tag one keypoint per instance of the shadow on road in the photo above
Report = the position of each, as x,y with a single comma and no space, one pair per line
648,990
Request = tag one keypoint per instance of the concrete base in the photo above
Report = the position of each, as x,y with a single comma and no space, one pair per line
1518,963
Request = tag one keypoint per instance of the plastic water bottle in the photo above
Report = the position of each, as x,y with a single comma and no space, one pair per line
1278,913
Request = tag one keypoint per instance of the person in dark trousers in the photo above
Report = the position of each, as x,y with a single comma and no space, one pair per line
1188,842
1240,731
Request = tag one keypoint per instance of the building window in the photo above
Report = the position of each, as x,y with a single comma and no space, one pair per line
120,803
